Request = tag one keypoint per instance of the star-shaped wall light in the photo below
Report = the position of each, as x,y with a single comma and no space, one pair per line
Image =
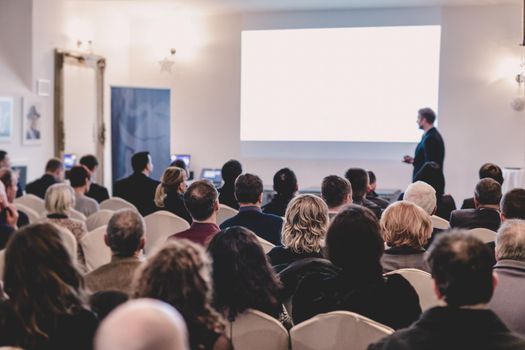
167,63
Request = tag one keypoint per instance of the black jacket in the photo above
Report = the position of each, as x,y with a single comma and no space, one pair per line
227,196
468,203
277,206
475,218
40,186
266,226
139,190
98,192
376,209
174,203
431,148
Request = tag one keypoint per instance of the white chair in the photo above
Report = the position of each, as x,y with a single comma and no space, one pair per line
266,246
96,252
116,203
423,284
31,201
31,214
439,223
70,242
337,330
483,234
159,226
225,212
255,330
99,218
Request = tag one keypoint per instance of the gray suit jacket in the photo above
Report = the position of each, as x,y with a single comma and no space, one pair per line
396,258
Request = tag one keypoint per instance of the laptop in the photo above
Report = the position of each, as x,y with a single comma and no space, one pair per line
214,175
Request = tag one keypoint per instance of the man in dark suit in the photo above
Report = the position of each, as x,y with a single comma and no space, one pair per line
229,172
431,148
54,173
285,186
249,192
487,170
96,191
486,213
371,194
138,188
359,180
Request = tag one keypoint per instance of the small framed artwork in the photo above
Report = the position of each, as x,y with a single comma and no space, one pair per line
31,122
6,118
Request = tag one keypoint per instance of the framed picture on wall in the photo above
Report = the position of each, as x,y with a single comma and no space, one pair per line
31,122
6,118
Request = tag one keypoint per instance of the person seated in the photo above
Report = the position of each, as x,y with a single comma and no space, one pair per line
45,309
487,170
102,303
143,324
354,244
138,188
359,180
5,162
463,279
432,174
201,200
229,172
125,234
486,201
79,180
242,277
249,192
96,191
285,186
10,180
179,274
54,173
406,228
336,192
513,205
8,218
169,194
371,194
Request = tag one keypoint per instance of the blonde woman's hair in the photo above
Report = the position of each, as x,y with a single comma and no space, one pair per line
172,178
305,225
59,199
405,224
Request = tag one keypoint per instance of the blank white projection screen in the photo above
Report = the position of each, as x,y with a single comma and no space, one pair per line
338,84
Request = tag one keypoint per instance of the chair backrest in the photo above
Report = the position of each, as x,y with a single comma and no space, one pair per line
116,203
225,212
483,234
255,330
337,330
32,201
32,215
439,223
267,246
99,218
159,226
75,214
96,252
423,284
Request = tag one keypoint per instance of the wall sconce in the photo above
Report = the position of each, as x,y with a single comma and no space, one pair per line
167,63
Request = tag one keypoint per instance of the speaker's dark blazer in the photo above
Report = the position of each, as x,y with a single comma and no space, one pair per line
431,148
475,218
139,190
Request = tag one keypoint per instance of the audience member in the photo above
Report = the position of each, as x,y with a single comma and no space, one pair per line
45,309
463,279
138,188
406,228
102,303
79,179
513,204
242,277
487,170
10,180
336,192
424,196
201,200
230,171
354,244
285,186
96,191
359,179
125,237
143,324
169,194
432,174
508,302
371,194
8,218
179,163
249,192
54,173
179,274
5,162
486,201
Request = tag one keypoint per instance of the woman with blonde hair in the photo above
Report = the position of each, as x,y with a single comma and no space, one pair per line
170,191
406,229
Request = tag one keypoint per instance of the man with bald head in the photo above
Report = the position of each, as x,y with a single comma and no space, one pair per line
143,324
8,217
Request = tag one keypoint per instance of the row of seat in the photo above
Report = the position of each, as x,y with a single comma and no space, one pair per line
483,234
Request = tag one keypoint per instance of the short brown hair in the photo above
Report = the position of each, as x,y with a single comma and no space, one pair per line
404,223
334,190
248,188
200,199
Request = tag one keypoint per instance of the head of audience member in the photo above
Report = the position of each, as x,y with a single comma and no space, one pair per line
242,276
492,171
59,199
432,174
404,224
487,193
173,179
425,118
354,243
336,192
143,324
510,241
10,180
372,182
5,160
141,163
90,163
179,163
79,179
103,302
305,224
423,195
125,233
55,168
359,179
41,280
249,190
202,201
461,267
285,183
513,204
230,171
